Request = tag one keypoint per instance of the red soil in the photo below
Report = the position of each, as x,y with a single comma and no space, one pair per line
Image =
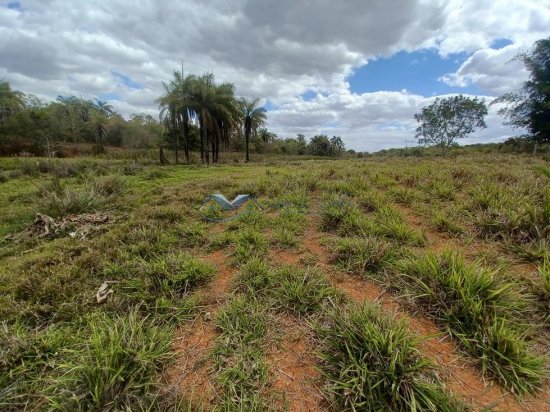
462,378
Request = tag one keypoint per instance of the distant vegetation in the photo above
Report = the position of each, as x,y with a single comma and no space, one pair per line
196,115
200,115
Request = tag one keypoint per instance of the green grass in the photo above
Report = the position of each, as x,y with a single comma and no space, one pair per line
117,367
301,291
362,255
239,354
478,310
56,341
372,363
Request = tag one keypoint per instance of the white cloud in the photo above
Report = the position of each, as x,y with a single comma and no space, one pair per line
275,49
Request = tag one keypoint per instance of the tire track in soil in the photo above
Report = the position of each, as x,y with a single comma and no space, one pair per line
460,376
191,376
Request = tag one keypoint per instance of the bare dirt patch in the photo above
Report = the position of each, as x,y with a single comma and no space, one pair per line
293,364
191,375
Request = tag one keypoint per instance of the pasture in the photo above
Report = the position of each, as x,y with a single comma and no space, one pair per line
366,284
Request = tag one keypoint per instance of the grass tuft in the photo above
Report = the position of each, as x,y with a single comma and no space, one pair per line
362,255
476,308
372,363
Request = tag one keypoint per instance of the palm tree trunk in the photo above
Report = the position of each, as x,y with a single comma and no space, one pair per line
246,139
202,142
186,141
177,134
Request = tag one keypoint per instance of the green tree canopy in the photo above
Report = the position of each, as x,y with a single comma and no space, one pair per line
529,107
448,119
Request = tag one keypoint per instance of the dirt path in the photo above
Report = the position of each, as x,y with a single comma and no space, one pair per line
191,374
462,378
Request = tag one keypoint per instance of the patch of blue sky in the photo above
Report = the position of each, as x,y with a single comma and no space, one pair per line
108,96
269,105
417,72
309,95
14,5
126,80
501,43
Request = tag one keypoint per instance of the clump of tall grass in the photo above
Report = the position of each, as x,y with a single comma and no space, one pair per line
442,223
117,367
372,363
335,210
389,223
362,255
59,200
286,289
256,277
248,243
301,291
371,201
477,310
239,353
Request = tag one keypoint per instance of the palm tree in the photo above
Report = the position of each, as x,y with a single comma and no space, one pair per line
104,108
336,145
226,114
100,127
177,111
11,102
266,135
253,117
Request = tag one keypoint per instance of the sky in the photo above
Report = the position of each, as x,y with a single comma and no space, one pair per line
359,69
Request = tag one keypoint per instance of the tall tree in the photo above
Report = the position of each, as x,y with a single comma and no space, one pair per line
104,108
11,102
336,145
253,117
448,119
529,107
177,109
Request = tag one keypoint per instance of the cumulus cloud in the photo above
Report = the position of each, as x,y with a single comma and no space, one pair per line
274,49
494,71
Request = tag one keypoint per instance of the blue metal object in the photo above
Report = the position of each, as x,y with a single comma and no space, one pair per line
225,204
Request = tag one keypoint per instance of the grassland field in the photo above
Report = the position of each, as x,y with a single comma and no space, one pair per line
399,284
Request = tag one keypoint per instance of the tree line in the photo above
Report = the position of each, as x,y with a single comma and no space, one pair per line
197,114
28,124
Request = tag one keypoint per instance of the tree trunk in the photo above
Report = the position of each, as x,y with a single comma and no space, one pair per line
162,159
177,159
246,139
202,142
536,148
186,141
